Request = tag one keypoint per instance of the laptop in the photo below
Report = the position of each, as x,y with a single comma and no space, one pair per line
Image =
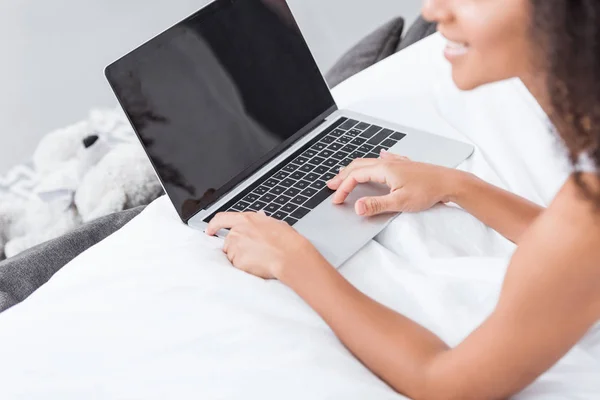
234,115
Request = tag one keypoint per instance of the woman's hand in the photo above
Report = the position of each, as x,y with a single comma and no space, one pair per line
413,186
262,246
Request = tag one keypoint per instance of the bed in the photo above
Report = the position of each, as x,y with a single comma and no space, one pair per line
155,311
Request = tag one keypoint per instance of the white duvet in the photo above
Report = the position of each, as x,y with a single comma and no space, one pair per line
156,312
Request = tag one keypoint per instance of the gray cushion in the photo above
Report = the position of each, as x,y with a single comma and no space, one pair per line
378,45
419,30
23,274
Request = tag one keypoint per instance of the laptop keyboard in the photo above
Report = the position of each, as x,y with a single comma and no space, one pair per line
297,187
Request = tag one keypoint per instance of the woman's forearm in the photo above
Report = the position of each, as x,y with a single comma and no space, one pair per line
395,348
506,213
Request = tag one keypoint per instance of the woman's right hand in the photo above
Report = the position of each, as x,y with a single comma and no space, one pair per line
413,186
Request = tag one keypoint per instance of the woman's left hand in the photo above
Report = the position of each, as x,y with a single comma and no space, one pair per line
260,245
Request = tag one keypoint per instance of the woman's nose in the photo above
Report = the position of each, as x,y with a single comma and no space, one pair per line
439,11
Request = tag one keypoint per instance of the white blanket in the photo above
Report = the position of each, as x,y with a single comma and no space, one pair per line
156,312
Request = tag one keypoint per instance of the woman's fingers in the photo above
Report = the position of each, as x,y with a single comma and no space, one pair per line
226,220
372,173
343,174
370,206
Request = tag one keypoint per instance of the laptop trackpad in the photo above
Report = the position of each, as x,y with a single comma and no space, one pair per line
337,231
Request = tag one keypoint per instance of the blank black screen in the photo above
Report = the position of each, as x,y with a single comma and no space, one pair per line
215,97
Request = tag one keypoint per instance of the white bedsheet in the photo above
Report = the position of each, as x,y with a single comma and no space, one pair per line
156,312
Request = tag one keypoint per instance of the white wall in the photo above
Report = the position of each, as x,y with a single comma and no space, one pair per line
54,52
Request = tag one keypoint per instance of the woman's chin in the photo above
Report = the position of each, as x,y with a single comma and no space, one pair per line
464,81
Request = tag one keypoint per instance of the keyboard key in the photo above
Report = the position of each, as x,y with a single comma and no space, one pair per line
328,176
318,198
300,212
337,133
358,141
377,149
302,184
310,153
281,175
335,146
319,146
271,208
301,160
318,185
292,192
271,182
356,154
372,131
362,126
307,168
349,148
371,155
309,192
398,136
365,148
312,177
258,205
250,209
340,155
288,208
282,200
297,175
330,162
317,160
345,162
344,139
291,221
353,133
299,200
389,143
242,205
261,190
278,190
251,198
326,153
321,169
286,183
327,139
269,197
290,168
349,124
280,215
380,137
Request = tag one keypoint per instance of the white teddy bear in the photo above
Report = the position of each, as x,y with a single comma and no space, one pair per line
82,177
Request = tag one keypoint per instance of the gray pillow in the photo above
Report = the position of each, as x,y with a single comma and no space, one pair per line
23,274
419,30
378,45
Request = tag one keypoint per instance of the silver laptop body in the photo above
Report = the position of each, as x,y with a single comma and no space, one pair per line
164,118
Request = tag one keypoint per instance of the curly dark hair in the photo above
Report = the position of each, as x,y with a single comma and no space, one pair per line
568,32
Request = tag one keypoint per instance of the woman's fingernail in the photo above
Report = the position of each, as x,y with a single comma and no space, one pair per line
360,208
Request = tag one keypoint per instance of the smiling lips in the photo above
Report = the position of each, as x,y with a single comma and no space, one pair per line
454,50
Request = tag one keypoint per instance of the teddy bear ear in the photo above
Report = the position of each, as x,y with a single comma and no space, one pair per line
90,140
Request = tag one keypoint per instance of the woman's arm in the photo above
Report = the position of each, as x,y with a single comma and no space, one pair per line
417,186
506,213
551,297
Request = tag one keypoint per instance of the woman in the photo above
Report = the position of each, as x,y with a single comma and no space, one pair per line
551,294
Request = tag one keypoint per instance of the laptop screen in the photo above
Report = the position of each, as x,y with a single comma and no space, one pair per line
218,95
